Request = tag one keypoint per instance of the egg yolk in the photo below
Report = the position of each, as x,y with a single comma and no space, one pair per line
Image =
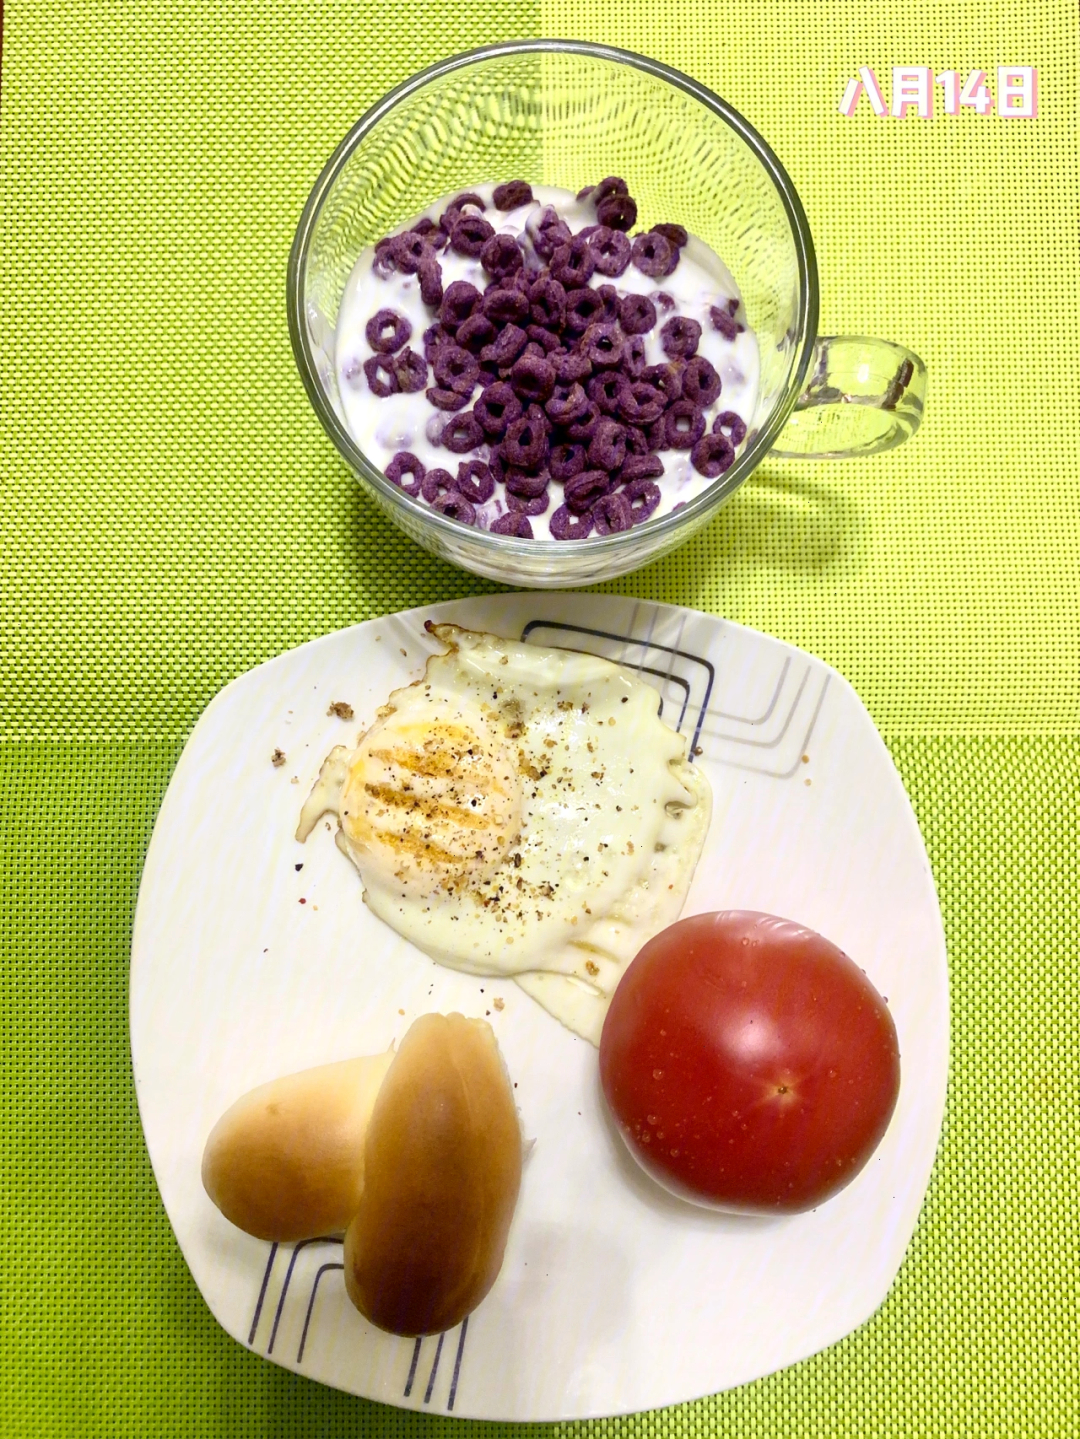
432,799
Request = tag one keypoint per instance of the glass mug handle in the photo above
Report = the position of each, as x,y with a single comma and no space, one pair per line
863,396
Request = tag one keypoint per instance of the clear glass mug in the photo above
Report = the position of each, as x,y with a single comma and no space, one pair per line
566,113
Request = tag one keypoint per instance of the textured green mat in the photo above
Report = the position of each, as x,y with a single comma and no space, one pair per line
172,515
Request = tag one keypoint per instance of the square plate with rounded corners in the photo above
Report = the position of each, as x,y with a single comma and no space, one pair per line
613,1296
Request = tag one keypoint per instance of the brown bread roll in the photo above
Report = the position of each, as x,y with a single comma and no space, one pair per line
443,1169
286,1162
414,1156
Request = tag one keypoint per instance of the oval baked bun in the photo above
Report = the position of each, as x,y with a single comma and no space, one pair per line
286,1162
442,1173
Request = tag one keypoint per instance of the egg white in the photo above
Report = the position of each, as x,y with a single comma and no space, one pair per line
521,811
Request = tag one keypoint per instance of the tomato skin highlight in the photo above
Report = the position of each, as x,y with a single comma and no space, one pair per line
748,1063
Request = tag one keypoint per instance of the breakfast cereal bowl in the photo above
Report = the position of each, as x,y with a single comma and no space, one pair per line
561,116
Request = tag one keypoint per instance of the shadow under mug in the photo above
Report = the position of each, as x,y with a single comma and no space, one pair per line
566,114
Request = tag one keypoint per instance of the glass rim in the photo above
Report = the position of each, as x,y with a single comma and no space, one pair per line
699,509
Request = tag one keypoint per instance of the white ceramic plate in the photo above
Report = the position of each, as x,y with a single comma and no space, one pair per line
613,1296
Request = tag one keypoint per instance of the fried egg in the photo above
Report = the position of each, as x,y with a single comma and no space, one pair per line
521,811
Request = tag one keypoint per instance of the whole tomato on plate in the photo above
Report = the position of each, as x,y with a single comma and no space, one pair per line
750,1064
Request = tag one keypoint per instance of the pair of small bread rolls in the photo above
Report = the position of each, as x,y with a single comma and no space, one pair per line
415,1156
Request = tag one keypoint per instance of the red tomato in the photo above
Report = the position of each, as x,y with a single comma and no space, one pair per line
749,1064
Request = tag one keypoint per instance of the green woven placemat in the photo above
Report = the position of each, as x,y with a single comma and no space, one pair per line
173,514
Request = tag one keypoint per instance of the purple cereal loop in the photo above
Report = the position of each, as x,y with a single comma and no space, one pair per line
712,455
656,436
612,513
582,491
565,403
532,378
505,304
606,391
723,321
506,346
603,344
525,444
524,484
583,427
435,484
547,231
431,286
496,408
458,207
618,212
565,526
383,263
469,235
462,433
684,425
409,251
387,331
644,497
640,467
640,403
607,447
455,507
547,301
700,382
565,461
423,226
444,399
609,185
637,314
633,360
501,256
475,333
667,378
512,194
458,302
730,423
514,524
548,341
679,337
637,441
455,369
572,264
610,297
583,307
651,254
610,250
380,376
663,301
475,481
531,505
434,336
406,463
410,370
675,234
572,366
